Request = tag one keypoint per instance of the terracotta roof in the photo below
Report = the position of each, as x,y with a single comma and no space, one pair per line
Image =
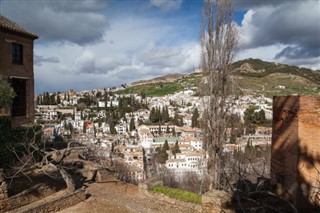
12,26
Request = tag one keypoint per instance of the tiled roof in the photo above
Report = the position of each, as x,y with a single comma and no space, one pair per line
12,26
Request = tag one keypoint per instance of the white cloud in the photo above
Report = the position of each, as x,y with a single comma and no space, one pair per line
291,28
166,5
264,53
79,22
131,50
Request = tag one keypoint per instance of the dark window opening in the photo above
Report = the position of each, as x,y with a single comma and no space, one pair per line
19,105
17,53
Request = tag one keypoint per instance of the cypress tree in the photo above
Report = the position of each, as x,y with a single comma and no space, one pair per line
132,126
195,117
84,127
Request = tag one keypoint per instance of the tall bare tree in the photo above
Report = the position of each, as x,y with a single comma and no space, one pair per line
219,47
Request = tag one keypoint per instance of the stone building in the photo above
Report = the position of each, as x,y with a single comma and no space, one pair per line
16,65
295,164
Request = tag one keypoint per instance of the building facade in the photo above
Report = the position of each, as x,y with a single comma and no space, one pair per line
295,162
16,66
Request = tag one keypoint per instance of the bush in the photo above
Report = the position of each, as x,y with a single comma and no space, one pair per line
13,138
178,194
6,93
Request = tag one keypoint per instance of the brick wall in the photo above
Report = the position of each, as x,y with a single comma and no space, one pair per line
296,148
8,69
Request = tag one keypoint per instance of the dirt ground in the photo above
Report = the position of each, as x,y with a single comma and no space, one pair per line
121,198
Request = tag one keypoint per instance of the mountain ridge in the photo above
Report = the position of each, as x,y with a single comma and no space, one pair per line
253,76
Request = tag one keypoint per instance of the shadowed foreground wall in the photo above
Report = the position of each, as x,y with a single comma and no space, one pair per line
295,164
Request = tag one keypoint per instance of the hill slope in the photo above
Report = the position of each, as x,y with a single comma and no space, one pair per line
251,76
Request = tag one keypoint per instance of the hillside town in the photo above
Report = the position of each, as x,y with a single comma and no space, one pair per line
215,129
132,130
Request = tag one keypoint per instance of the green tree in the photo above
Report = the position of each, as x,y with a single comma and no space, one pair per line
176,148
38,100
254,117
165,146
132,126
174,131
143,95
152,116
70,127
194,119
52,99
58,99
177,120
161,153
84,129
113,130
94,130
249,115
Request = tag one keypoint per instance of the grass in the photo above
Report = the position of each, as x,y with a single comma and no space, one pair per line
154,89
178,194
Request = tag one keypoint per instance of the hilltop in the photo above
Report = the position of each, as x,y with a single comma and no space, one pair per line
252,76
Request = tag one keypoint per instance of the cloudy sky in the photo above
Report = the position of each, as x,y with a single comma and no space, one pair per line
88,44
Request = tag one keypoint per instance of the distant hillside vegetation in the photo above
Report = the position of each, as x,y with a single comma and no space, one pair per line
258,68
168,77
251,76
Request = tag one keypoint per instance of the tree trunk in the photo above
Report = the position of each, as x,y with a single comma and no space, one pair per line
218,46
68,179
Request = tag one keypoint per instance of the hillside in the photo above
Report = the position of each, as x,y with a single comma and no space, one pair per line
258,68
251,76
166,78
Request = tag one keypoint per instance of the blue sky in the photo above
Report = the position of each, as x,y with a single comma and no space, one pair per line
87,44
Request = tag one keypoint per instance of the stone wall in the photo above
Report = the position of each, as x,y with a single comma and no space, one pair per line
295,158
56,203
26,197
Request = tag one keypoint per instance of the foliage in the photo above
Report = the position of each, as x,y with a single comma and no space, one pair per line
178,194
158,115
6,93
236,127
177,119
84,128
153,89
161,153
195,117
252,116
132,125
11,138
176,148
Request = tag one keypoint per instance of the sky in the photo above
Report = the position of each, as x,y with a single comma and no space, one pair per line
91,44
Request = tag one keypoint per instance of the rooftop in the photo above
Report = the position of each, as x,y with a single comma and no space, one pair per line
7,24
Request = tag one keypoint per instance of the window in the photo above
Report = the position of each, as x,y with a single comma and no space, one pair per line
17,53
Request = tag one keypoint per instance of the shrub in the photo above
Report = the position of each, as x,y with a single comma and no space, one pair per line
13,139
6,93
